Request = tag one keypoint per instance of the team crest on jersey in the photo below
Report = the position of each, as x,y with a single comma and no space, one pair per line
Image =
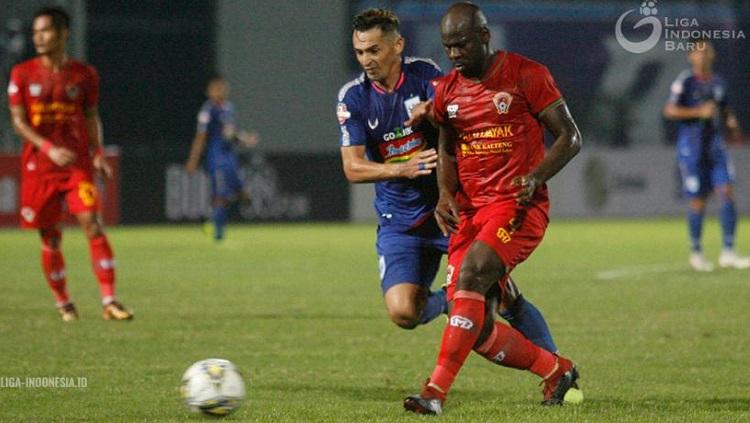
12,88
72,91
452,110
342,114
35,90
502,102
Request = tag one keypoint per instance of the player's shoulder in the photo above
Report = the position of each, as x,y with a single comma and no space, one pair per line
82,67
422,66
352,90
524,64
26,66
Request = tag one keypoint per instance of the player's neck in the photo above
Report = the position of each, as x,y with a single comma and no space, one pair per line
55,60
391,82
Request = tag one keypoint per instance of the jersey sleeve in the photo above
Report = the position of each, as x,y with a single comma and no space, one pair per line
351,121
92,88
539,88
203,118
438,108
16,87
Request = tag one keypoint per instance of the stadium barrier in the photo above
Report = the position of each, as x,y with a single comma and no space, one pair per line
610,183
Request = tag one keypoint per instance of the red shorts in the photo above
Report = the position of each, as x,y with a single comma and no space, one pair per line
511,231
42,197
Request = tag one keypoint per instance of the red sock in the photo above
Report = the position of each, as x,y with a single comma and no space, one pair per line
53,266
459,337
103,263
508,347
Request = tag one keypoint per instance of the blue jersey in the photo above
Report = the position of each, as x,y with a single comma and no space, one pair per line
217,120
688,90
373,118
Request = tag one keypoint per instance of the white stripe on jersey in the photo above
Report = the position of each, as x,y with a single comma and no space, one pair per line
410,59
350,84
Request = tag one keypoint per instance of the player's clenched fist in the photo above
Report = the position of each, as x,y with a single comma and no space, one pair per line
61,156
421,164
528,185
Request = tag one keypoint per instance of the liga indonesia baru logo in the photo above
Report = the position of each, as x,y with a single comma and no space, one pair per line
676,32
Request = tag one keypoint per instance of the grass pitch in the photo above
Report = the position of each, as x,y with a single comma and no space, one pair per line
298,309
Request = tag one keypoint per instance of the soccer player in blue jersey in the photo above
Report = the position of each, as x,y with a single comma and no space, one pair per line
216,134
381,144
698,102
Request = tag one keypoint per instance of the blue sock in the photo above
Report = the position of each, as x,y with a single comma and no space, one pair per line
728,218
220,220
695,226
527,319
436,305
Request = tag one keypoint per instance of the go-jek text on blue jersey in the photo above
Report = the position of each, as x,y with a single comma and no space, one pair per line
371,117
217,120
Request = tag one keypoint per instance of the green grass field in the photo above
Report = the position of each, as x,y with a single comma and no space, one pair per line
298,309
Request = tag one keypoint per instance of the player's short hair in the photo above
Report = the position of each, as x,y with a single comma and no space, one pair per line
60,18
384,19
216,77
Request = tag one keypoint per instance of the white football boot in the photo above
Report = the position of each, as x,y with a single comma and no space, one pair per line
729,258
699,263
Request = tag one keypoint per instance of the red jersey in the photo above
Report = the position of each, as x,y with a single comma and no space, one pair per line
55,102
499,135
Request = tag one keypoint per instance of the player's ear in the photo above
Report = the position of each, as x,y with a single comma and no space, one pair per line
484,34
399,45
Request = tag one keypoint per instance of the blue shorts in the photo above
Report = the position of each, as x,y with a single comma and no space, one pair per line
412,256
703,167
223,170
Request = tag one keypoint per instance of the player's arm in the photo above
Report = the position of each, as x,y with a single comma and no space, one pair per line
96,140
61,156
560,123
446,210
674,111
196,151
358,168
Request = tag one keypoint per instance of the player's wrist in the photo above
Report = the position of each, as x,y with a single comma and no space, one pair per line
46,146
98,152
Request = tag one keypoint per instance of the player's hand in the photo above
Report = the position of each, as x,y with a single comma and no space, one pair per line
707,110
528,185
421,111
61,156
420,165
101,165
446,214
248,139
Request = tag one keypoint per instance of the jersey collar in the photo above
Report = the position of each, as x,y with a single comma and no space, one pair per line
380,90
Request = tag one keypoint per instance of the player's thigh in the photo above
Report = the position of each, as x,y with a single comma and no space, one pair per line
513,235
457,248
695,175
722,170
82,196
41,202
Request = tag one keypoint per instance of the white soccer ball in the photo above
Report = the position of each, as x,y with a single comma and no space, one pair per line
212,386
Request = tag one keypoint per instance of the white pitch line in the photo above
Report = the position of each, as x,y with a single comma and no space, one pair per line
639,270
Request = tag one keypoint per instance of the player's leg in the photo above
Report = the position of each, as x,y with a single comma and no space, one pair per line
696,187
53,265
722,178
83,203
221,193
524,316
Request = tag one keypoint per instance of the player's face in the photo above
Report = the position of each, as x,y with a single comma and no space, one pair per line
703,56
379,54
466,49
218,90
47,39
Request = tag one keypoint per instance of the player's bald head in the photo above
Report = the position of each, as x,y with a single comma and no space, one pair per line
463,17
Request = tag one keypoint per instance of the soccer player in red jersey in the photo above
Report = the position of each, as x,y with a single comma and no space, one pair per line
53,104
492,168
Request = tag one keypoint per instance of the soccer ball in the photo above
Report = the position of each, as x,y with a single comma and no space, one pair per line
212,386
648,8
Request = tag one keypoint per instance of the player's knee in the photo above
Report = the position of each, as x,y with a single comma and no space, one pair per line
93,229
725,193
51,238
478,274
405,318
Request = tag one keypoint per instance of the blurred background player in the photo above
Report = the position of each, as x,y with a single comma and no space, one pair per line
53,104
492,168
217,128
384,140
698,102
